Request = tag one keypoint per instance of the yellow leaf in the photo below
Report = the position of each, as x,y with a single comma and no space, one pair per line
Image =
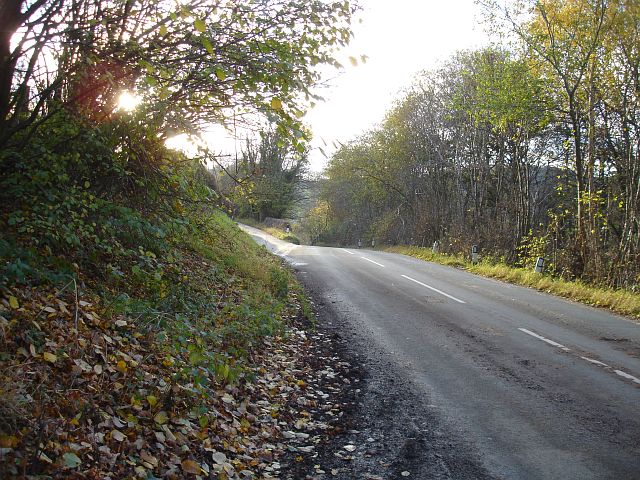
153,401
121,366
189,466
8,441
354,61
276,104
49,357
168,361
13,302
163,30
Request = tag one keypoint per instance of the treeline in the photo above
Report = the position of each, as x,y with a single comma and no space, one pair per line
526,151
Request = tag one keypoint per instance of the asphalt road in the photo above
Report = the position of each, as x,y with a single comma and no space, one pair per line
530,385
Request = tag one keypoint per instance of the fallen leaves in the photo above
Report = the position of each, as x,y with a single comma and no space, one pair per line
49,357
13,302
161,418
191,466
71,460
112,410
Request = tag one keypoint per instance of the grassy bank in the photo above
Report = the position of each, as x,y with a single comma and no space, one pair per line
132,378
620,301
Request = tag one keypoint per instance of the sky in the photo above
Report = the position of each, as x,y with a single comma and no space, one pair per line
400,38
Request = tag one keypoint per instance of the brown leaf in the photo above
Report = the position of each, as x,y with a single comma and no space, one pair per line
190,466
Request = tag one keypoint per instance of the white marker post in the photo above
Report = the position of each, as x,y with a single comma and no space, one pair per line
474,254
435,247
539,265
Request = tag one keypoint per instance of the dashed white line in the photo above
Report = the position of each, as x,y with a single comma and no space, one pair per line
546,340
590,360
372,261
345,250
627,376
595,362
434,289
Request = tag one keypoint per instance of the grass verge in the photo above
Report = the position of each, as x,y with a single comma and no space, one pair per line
620,301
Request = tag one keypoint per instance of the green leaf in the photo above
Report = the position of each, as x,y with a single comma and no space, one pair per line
221,74
71,460
207,44
163,30
200,25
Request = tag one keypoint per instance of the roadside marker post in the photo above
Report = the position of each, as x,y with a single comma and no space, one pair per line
539,265
474,254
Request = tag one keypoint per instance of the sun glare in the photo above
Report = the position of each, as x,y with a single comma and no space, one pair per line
127,101
184,143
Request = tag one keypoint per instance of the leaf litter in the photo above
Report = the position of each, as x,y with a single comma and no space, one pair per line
82,396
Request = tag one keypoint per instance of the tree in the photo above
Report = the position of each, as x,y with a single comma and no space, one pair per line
192,62
266,181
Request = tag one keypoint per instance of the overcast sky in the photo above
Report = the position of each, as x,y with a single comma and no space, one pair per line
401,38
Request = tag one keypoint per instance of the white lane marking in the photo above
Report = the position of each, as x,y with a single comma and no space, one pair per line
627,376
546,340
345,250
595,362
434,289
369,260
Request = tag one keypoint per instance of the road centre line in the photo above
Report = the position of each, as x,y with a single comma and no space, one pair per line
595,362
369,260
627,376
590,360
345,250
546,340
434,289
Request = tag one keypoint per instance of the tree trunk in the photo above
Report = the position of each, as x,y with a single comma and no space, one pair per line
10,19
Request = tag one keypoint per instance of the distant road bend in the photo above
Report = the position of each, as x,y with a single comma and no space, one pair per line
538,387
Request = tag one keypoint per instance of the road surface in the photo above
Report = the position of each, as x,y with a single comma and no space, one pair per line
527,385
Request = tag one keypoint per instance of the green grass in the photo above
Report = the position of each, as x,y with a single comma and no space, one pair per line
620,301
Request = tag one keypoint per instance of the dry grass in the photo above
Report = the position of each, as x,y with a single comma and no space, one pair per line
620,301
